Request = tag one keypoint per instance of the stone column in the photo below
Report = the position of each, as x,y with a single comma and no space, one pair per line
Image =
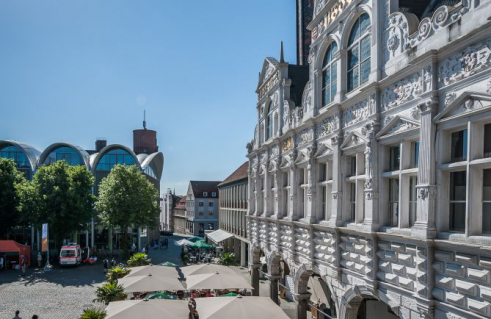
424,227
277,194
371,220
243,252
293,190
337,184
255,278
310,214
302,305
273,289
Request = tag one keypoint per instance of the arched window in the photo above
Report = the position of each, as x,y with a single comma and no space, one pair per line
64,153
329,75
359,53
269,123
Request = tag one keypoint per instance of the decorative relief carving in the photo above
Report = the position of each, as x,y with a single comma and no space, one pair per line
356,113
305,136
472,60
307,97
263,157
415,114
328,125
270,83
449,98
287,144
400,26
331,15
403,91
402,126
286,112
275,151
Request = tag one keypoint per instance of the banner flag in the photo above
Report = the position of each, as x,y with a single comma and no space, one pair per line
45,238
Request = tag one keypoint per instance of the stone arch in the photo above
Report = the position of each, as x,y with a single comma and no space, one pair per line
255,254
273,262
301,280
353,298
323,49
350,22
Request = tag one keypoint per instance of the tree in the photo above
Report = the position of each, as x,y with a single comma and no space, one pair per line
61,195
11,181
110,292
127,199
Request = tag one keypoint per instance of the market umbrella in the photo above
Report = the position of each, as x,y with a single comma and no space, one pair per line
230,294
183,242
216,281
150,283
160,295
196,239
148,309
168,264
207,269
239,308
157,271
201,244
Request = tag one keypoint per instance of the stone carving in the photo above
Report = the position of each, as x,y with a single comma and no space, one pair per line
263,157
307,98
287,144
472,60
249,147
274,79
305,136
335,140
286,112
335,10
393,41
388,119
400,26
356,113
275,151
469,104
329,125
415,114
275,98
402,91
401,127
449,98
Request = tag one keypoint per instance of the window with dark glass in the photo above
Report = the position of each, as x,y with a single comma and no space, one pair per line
393,202
359,52
210,204
322,172
458,189
352,168
352,202
16,154
269,123
201,204
413,200
415,153
329,75
487,140
459,146
395,158
486,202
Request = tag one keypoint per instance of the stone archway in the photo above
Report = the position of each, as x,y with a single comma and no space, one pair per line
255,265
308,285
361,302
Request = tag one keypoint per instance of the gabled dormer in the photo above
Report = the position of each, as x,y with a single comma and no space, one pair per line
467,104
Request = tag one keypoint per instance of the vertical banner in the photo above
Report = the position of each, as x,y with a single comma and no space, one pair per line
44,239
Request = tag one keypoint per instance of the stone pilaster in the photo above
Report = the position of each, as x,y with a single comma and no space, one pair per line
310,213
424,226
337,183
371,218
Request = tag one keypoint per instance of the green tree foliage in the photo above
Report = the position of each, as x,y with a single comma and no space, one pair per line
11,181
93,313
139,259
227,259
60,195
110,292
127,199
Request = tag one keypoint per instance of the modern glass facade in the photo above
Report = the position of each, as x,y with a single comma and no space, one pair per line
109,160
17,154
64,153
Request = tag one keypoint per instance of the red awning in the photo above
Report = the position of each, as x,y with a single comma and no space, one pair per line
10,246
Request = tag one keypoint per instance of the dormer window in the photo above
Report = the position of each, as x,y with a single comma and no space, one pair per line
213,194
205,194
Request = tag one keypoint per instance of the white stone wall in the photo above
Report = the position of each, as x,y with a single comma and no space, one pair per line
428,79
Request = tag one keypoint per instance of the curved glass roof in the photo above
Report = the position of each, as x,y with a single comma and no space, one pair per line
64,153
114,157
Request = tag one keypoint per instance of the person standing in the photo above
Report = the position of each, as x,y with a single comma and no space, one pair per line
105,262
40,259
1,262
17,315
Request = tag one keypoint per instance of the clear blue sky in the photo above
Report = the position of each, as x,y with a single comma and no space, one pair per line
75,70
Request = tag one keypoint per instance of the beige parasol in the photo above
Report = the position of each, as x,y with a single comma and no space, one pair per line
158,271
151,309
239,308
150,283
207,269
216,281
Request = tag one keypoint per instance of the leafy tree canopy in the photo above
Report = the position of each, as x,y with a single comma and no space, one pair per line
127,198
11,181
60,195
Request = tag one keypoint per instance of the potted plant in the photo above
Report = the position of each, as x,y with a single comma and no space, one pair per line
110,292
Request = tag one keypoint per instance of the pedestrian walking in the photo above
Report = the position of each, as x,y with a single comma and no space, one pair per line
35,317
113,262
105,262
144,250
1,262
40,259
17,312
23,265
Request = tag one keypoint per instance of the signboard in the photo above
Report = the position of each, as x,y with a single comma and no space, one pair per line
44,240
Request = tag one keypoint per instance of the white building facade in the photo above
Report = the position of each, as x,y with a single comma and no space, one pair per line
378,179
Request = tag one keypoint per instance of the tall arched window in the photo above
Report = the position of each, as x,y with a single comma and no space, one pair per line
359,53
329,75
269,123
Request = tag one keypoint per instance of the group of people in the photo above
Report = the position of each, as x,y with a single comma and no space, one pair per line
106,264
17,312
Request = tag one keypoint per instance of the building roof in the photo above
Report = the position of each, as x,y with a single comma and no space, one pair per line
200,187
239,174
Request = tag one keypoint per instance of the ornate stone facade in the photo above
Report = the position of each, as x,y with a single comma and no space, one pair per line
382,192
